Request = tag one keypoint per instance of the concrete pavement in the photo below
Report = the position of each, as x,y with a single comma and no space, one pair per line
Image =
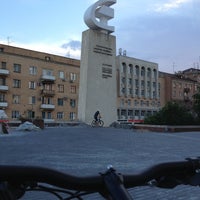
87,151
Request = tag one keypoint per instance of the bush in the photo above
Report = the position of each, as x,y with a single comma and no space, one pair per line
172,114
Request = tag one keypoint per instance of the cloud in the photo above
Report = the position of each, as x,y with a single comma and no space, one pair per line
172,4
73,44
162,38
70,49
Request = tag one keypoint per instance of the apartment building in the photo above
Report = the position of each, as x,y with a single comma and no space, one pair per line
178,87
41,85
138,88
38,85
191,73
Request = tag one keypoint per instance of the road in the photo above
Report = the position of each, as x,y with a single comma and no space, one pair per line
85,151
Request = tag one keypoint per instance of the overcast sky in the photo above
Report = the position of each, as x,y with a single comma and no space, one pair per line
163,31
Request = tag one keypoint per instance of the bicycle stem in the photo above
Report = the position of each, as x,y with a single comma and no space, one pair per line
114,185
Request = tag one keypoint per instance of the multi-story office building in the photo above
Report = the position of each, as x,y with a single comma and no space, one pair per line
138,88
35,84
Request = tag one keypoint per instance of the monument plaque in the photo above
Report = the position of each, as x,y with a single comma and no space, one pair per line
97,89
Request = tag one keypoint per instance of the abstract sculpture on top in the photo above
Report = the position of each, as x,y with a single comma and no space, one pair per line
97,15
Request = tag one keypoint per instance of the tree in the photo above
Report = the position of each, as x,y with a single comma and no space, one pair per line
171,114
196,104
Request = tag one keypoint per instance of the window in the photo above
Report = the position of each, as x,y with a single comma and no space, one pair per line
47,72
123,91
2,98
2,81
47,100
46,115
130,69
17,68
31,114
60,115
48,86
149,72
142,93
32,70
32,85
137,70
60,88
154,73
72,115
154,94
136,92
136,83
16,99
129,102
124,67
148,84
16,83
142,84
130,91
73,89
73,103
15,114
72,77
130,81
122,102
143,71
61,75
3,65
60,102
123,80
32,100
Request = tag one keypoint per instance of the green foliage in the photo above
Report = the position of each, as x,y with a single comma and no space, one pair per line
196,105
172,114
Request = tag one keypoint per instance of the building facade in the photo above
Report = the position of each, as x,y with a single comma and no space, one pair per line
178,88
138,88
38,85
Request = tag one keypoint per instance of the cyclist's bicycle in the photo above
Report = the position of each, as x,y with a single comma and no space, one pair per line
111,185
98,123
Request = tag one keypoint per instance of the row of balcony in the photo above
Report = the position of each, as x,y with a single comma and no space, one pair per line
43,77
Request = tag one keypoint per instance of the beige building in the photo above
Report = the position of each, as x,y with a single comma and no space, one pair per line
38,85
138,88
178,88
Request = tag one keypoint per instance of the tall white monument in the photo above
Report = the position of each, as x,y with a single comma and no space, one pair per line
97,89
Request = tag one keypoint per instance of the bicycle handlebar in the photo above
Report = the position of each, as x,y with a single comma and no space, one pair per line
164,174
49,176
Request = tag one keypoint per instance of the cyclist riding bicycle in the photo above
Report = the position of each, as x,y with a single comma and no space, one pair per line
97,116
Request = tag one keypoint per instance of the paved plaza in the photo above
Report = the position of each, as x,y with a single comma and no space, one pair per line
86,151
